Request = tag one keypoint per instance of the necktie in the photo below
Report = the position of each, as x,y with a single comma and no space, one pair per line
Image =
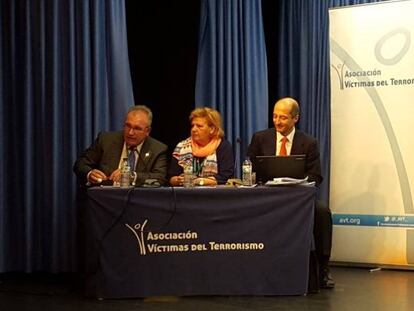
131,158
283,151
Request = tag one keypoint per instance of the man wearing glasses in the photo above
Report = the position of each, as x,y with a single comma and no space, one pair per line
101,162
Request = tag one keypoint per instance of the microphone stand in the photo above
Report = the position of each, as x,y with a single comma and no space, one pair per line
236,181
237,156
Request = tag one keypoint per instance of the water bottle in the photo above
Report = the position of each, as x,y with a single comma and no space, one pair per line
247,172
125,174
188,175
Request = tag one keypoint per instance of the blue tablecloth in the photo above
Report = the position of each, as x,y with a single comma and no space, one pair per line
201,241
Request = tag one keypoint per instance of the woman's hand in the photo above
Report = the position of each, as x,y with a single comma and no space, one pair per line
177,180
206,181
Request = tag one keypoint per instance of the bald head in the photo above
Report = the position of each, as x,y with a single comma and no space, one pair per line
290,104
285,115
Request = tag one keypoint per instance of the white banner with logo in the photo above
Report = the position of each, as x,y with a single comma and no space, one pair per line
372,122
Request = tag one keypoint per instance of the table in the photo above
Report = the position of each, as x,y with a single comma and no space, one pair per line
201,241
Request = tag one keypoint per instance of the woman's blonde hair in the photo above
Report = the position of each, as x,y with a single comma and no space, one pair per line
212,117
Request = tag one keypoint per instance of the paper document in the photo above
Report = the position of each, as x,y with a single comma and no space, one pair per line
283,181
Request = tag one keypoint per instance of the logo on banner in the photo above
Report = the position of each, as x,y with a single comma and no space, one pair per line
339,69
172,242
358,77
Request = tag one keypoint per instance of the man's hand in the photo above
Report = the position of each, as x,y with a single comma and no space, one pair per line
116,175
96,176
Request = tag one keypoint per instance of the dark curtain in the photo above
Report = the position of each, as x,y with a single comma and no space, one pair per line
162,43
232,68
64,75
297,38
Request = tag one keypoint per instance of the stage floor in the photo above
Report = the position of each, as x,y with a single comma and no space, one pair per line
356,289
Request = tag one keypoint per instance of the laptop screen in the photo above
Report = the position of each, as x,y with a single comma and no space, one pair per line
269,167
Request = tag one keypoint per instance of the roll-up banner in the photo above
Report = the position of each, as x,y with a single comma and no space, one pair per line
372,123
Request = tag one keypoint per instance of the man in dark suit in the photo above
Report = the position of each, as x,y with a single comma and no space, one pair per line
283,140
102,160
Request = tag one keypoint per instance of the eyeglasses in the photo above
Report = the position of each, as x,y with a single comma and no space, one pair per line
135,129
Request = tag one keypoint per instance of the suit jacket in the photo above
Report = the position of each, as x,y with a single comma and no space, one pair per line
264,143
105,152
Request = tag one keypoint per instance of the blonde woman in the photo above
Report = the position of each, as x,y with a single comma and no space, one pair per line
206,150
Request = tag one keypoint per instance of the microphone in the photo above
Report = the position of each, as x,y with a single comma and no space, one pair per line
237,156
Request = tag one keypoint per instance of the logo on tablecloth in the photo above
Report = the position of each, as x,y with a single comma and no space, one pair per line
138,231
150,242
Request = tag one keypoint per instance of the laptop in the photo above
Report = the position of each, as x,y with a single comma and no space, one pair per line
269,167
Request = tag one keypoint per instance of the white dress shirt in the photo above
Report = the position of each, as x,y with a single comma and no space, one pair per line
288,142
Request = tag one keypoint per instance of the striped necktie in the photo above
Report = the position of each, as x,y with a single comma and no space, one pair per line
132,158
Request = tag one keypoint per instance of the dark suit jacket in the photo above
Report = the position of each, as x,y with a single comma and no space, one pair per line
104,154
264,143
